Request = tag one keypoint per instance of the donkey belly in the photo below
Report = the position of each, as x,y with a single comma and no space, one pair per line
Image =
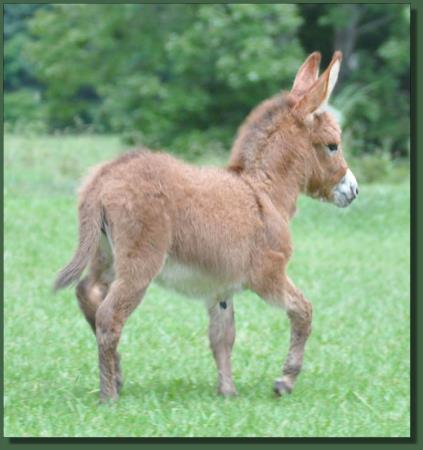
193,282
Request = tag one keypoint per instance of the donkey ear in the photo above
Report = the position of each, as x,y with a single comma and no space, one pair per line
317,97
307,74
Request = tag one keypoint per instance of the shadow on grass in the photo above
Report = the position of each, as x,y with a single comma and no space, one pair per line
183,391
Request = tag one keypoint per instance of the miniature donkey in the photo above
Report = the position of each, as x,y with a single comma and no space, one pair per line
211,232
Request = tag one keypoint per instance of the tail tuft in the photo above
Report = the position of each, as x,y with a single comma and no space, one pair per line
70,274
89,235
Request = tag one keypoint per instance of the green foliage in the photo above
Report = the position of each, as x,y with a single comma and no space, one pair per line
153,70
353,264
18,70
24,108
380,167
160,74
374,89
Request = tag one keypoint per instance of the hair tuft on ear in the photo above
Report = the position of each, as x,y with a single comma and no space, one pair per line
317,96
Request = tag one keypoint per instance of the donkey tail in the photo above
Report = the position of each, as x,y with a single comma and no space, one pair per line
90,223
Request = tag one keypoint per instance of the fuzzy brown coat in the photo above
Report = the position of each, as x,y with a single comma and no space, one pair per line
148,216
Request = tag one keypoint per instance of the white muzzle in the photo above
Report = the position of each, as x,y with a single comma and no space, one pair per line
345,191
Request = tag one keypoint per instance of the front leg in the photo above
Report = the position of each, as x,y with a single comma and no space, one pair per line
269,280
299,311
222,337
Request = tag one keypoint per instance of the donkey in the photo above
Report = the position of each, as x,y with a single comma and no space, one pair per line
211,232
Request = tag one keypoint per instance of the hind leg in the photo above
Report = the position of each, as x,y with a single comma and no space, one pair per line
139,252
125,294
123,297
92,290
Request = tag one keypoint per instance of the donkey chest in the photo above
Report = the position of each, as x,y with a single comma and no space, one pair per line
193,282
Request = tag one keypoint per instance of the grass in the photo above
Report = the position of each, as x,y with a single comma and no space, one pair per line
353,264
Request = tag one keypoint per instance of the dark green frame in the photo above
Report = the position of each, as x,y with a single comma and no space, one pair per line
416,291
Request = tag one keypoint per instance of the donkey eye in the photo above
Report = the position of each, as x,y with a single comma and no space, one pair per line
333,147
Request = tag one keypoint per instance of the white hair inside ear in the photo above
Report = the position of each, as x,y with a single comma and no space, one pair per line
333,77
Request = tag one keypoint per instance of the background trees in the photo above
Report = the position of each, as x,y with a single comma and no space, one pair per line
184,76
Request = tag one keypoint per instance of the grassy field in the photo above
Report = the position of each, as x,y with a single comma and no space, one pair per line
352,264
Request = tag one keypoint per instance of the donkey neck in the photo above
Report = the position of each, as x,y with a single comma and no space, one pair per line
268,152
280,173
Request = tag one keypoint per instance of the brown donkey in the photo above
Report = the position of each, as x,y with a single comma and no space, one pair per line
211,232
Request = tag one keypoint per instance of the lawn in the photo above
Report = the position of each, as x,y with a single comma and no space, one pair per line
353,265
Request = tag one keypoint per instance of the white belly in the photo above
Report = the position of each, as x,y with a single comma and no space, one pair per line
193,282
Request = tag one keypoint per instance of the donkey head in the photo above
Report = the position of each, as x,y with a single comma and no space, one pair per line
329,177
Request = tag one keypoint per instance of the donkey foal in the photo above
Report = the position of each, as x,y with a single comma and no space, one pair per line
210,232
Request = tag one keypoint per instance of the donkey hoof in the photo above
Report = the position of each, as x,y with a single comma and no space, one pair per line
108,399
281,388
227,391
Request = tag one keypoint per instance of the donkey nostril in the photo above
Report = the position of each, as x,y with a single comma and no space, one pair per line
356,191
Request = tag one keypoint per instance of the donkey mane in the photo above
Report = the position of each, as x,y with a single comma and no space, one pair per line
252,136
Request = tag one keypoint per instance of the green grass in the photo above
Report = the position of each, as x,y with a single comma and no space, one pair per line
352,264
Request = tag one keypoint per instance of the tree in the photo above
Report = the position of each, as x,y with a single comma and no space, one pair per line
171,75
161,69
17,69
374,89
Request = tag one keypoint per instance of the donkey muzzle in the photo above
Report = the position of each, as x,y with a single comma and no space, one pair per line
345,191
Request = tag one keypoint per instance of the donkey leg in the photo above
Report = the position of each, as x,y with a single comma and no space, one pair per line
269,280
222,337
139,254
89,299
123,297
92,289
90,295
299,311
